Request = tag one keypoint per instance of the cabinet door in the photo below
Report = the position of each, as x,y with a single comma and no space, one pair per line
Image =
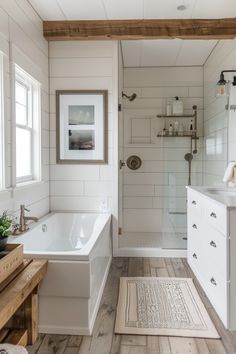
216,216
217,292
195,203
194,242
216,251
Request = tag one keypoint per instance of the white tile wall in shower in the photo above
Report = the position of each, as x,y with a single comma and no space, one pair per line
83,65
219,124
159,184
232,124
21,29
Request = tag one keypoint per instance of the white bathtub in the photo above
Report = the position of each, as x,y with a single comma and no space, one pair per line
78,247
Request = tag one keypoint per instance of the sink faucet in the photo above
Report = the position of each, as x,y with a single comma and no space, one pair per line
23,226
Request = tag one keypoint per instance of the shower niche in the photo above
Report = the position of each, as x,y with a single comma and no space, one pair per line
147,129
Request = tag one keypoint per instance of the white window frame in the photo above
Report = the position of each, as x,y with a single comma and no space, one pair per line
2,128
33,123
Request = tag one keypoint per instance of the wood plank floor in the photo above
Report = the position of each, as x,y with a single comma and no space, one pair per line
104,341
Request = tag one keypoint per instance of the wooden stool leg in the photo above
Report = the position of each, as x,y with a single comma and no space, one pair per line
31,317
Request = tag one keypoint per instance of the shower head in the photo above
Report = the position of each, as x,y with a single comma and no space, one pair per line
131,97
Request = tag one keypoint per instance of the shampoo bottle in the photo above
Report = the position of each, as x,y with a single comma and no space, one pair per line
178,107
176,127
168,108
171,130
191,127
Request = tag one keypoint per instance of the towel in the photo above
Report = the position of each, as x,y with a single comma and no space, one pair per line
6,348
229,172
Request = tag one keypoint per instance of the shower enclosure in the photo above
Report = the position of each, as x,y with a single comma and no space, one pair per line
154,191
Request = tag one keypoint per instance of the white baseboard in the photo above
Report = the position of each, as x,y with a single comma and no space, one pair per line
83,331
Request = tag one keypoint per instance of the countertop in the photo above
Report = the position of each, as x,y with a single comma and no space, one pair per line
224,196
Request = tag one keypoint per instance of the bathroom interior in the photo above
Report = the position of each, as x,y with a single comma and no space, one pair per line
138,183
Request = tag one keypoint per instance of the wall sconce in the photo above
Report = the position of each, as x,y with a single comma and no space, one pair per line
223,86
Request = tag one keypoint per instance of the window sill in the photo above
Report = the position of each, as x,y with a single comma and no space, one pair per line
28,184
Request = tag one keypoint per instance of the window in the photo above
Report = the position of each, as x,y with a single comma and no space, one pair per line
2,140
27,116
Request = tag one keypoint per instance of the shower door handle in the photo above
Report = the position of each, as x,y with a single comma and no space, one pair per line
122,164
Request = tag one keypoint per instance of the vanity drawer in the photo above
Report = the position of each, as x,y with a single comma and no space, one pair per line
216,216
195,251
194,203
195,227
216,289
215,250
194,258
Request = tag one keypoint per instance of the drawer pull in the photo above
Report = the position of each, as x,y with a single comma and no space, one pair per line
195,256
213,215
194,226
194,202
213,244
213,281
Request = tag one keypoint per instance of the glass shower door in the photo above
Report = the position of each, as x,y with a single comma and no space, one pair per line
177,176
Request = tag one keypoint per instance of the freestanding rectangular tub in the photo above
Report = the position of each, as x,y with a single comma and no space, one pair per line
78,248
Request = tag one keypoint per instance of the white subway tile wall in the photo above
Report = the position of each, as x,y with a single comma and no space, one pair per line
82,65
159,185
219,124
21,30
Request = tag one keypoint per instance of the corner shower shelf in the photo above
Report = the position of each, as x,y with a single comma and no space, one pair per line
193,115
192,136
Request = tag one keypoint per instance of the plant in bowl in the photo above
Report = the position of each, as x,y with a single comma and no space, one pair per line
5,229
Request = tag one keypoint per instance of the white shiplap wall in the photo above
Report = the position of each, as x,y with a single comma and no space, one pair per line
160,183
22,42
84,65
219,124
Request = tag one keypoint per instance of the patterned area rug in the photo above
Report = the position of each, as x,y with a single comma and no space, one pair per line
162,306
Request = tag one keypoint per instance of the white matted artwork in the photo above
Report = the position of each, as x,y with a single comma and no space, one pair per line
81,126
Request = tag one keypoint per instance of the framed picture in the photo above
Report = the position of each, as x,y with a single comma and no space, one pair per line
81,126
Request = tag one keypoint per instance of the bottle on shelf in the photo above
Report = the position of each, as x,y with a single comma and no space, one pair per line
178,108
163,133
171,130
191,127
168,108
176,127
181,129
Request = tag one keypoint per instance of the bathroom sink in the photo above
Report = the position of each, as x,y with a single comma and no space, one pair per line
221,191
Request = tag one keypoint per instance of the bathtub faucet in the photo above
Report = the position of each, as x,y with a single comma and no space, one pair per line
23,226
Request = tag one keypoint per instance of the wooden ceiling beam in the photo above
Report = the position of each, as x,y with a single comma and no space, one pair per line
140,29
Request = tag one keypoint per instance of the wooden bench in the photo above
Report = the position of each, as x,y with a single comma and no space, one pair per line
19,303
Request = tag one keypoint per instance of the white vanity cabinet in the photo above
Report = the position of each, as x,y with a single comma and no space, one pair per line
212,252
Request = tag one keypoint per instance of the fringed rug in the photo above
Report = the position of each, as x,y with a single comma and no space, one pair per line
162,306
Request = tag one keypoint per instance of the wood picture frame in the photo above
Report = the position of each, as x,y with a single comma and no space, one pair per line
81,126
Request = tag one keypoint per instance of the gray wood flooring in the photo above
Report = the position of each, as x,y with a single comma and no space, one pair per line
104,341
